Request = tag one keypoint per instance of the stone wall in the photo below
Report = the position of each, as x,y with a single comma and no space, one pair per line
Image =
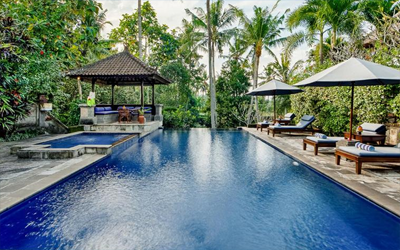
32,119
393,134
42,120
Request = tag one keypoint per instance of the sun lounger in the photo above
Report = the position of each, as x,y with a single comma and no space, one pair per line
286,119
319,142
264,124
302,126
381,154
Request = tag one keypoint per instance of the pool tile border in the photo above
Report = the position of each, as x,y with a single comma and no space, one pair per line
331,173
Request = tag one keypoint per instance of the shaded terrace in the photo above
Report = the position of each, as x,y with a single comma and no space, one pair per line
122,69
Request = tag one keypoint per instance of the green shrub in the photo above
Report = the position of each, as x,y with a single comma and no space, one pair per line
180,118
22,135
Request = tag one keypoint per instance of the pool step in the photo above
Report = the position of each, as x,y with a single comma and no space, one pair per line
36,152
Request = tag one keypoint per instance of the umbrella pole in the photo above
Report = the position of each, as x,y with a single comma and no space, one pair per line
274,111
351,111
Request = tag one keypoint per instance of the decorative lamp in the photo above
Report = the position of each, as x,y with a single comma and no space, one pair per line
359,130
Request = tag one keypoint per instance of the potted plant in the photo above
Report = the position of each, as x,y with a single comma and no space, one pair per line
141,118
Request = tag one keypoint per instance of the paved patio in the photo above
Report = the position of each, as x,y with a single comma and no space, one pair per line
379,182
21,178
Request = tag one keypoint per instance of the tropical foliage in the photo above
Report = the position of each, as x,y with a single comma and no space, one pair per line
42,40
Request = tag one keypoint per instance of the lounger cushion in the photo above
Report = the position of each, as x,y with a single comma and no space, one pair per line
305,121
308,118
373,127
332,140
289,116
107,108
285,127
379,151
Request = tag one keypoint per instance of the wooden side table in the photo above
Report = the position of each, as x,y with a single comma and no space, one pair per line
368,138
283,122
124,113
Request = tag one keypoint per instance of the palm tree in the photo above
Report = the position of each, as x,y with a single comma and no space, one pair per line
214,23
343,16
312,16
140,28
260,32
237,47
374,10
281,68
191,42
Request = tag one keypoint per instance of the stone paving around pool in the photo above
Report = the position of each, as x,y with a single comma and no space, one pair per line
378,182
21,178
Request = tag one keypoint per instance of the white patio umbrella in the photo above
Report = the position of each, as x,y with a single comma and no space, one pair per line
353,72
274,88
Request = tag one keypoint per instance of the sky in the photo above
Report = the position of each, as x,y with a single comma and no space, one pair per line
171,13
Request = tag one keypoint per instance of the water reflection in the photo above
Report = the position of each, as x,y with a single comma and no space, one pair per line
198,190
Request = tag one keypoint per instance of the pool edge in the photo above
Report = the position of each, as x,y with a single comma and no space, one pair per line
384,202
48,182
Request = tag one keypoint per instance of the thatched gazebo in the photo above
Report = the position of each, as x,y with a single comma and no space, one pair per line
122,69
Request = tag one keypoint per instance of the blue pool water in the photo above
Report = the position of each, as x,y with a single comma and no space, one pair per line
198,190
86,139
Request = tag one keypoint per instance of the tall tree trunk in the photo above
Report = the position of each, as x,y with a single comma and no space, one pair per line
214,89
321,47
255,82
140,28
210,68
256,63
333,39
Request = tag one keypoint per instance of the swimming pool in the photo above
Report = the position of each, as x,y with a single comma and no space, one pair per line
86,139
198,190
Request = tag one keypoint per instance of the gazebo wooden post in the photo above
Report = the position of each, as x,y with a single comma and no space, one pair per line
93,82
142,94
153,108
274,109
112,94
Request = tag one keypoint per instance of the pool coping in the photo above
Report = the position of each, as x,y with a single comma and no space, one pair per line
35,188
390,205
37,150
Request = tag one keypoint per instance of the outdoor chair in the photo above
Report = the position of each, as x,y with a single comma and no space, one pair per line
317,142
380,154
302,126
286,119
263,124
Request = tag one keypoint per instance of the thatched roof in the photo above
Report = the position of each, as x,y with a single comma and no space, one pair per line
119,69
